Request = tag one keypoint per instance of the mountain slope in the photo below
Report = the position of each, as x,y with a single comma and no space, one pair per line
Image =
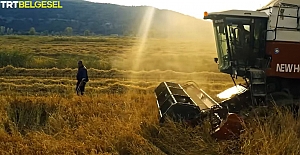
104,19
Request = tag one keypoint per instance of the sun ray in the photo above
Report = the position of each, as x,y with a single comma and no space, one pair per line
143,36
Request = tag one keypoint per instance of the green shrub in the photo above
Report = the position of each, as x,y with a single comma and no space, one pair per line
15,58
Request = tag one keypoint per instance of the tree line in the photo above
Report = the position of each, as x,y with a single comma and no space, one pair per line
68,32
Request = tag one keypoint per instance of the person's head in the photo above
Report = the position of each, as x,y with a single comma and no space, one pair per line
80,64
240,26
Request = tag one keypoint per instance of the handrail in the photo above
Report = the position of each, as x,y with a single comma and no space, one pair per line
275,37
297,17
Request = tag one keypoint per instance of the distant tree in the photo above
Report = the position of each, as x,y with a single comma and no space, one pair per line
9,31
87,33
2,30
128,33
32,31
69,31
46,32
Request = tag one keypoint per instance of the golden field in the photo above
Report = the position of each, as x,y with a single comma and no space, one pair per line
41,114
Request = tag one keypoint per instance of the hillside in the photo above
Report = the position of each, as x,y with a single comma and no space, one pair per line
104,19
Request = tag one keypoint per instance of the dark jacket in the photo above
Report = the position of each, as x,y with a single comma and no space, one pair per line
82,73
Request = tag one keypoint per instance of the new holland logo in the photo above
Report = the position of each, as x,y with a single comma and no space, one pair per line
288,68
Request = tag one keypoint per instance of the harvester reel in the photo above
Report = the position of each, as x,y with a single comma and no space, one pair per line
192,105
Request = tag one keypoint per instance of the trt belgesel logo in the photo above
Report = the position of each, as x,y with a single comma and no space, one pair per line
28,4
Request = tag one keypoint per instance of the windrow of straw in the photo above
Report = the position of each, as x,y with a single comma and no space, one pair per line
113,73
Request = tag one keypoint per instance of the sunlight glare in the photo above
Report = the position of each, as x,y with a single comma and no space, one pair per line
231,91
143,35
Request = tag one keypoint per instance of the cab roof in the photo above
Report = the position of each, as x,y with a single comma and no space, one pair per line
276,3
238,13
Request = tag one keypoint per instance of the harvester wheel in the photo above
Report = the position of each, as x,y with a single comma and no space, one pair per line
281,98
285,100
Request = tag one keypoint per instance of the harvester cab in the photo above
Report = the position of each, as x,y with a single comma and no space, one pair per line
260,46
240,39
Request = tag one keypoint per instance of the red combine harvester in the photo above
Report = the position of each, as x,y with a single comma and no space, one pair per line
263,48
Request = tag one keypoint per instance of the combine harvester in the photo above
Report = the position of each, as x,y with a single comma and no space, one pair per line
263,48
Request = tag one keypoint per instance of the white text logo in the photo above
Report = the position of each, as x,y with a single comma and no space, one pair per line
288,68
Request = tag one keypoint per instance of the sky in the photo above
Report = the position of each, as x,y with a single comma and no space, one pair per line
194,8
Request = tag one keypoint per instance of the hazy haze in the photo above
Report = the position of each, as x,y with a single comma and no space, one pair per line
192,7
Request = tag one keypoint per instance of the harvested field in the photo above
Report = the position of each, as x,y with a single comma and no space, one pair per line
41,114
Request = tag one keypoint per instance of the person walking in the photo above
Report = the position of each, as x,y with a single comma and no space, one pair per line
82,78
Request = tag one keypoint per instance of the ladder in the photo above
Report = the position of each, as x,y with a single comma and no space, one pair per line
258,88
